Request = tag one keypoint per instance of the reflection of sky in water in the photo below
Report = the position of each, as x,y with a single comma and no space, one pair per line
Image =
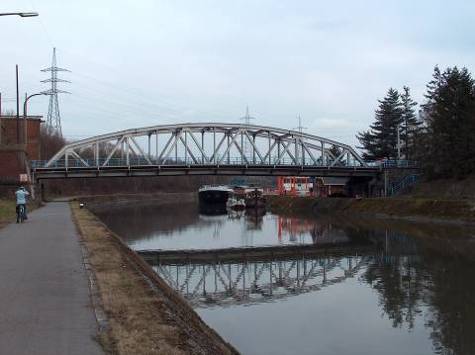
164,228
340,319
222,232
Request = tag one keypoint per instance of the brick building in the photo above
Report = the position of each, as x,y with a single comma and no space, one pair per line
19,143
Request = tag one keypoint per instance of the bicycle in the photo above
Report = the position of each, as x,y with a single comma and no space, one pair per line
20,213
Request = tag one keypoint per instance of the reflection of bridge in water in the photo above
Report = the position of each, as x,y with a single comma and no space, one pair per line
255,278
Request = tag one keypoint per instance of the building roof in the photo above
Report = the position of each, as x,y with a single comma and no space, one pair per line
29,117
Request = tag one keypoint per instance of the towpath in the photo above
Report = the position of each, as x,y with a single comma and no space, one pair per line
45,306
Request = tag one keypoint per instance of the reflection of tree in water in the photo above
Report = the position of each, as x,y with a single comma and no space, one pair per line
396,275
409,281
400,285
452,306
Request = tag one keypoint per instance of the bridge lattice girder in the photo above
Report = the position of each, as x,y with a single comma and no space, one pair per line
205,144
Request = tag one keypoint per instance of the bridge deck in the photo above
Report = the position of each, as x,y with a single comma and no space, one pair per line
208,169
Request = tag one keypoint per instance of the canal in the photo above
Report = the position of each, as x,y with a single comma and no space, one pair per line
360,287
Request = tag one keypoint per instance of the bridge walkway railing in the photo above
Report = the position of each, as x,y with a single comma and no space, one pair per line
142,161
116,162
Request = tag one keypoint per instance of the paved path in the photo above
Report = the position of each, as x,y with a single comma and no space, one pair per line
44,296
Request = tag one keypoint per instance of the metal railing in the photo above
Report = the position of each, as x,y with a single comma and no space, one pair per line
393,163
141,161
403,184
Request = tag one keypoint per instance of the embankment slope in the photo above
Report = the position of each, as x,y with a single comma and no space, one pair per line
144,314
407,208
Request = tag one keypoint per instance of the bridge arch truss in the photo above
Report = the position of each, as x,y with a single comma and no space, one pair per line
202,145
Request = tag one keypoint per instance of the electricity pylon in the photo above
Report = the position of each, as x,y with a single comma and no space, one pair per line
53,121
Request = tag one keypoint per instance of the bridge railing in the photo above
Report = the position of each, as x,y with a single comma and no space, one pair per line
393,163
141,161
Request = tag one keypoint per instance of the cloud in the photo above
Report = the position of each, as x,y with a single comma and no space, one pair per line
138,63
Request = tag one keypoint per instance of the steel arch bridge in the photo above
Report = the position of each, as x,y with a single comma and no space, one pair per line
203,149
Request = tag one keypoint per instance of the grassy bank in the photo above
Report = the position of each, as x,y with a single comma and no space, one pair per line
144,314
407,208
8,211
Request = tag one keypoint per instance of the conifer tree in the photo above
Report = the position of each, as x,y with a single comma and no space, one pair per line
380,141
410,126
450,118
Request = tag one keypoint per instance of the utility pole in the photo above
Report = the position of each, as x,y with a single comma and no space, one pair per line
17,108
398,143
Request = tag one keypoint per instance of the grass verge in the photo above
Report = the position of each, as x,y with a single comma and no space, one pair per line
8,211
144,315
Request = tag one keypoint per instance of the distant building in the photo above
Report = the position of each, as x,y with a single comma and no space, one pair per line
19,143
294,185
312,186
330,186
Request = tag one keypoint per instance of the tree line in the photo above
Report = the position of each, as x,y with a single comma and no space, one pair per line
440,136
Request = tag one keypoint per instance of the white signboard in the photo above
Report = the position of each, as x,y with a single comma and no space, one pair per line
23,177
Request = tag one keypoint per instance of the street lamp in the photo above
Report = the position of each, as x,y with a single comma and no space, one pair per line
25,112
21,14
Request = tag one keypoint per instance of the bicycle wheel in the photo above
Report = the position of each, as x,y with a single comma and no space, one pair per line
22,213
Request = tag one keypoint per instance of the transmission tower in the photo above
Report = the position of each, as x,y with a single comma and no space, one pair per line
247,120
300,129
53,121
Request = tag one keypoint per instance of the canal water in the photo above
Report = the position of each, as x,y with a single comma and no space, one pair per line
363,287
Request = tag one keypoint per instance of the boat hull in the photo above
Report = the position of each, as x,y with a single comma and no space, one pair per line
213,196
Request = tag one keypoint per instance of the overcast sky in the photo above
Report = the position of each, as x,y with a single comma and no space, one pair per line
144,62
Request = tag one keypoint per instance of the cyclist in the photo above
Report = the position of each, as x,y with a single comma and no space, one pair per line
21,195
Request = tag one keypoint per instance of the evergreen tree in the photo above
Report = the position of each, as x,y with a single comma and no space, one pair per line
380,141
411,125
450,118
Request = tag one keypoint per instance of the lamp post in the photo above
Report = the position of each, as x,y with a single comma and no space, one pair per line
25,128
25,104
21,14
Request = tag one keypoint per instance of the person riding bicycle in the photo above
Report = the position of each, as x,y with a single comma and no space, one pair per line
21,195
